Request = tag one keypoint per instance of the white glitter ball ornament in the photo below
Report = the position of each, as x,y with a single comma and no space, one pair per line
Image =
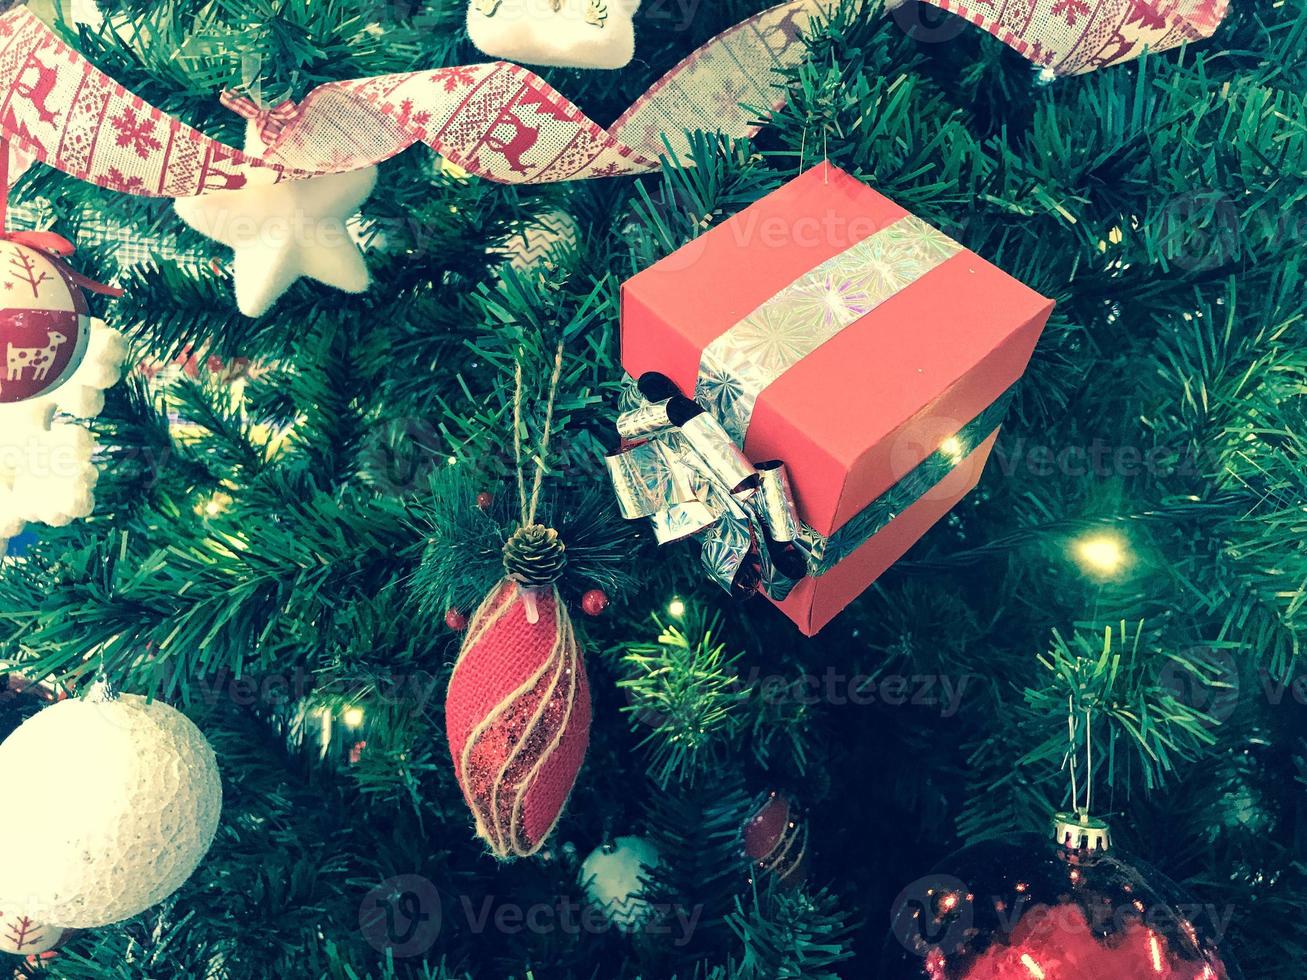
127,829
613,879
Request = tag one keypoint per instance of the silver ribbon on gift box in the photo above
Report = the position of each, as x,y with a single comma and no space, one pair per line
692,479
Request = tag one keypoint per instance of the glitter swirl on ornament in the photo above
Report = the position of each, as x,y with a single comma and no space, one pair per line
510,749
1051,908
776,840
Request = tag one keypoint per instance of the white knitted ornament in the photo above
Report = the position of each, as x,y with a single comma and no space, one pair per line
47,473
127,829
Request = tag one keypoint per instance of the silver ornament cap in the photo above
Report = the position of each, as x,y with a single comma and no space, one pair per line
1078,831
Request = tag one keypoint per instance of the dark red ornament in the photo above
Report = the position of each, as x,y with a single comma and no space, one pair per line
456,621
485,499
1066,906
776,840
594,602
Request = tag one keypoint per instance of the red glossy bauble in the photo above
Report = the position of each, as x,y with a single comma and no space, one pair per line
594,602
456,620
1031,908
485,499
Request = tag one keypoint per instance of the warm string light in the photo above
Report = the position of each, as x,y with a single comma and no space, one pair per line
214,506
1103,554
353,717
676,608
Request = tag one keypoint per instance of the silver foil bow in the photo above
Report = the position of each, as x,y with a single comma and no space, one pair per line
682,470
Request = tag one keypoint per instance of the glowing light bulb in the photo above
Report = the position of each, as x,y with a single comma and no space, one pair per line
1032,967
1102,554
214,506
676,608
952,446
353,717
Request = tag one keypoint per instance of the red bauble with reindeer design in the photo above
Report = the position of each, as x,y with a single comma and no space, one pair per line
44,321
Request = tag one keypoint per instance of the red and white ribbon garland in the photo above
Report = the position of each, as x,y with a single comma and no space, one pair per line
497,120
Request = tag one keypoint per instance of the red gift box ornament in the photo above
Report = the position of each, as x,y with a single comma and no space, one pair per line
827,327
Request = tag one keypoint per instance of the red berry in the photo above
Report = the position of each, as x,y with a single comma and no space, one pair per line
456,621
594,602
484,499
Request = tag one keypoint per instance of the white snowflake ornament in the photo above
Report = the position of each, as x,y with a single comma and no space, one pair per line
561,33
280,232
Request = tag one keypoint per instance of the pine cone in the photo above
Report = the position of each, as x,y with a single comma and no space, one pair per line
535,556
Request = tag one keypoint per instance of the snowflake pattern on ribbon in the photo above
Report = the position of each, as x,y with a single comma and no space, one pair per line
499,120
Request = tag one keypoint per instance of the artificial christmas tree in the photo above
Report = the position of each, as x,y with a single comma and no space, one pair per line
299,569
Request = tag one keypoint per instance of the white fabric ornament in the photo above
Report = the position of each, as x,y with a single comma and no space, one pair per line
612,878
562,33
127,829
22,935
279,232
47,473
